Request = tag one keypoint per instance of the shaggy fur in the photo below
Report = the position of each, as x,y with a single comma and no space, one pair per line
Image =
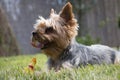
56,38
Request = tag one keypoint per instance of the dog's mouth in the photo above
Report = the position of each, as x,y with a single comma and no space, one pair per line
39,41
41,45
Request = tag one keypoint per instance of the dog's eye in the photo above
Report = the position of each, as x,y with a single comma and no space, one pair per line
49,30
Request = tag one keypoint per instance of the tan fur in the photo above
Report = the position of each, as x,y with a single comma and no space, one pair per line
65,28
117,60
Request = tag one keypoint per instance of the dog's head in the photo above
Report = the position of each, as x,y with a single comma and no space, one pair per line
57,31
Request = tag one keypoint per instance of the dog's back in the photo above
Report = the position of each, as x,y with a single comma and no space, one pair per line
107,54
94,54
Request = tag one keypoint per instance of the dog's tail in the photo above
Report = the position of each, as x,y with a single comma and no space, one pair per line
117,60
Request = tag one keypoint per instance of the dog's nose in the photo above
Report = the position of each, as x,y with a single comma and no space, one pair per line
34,33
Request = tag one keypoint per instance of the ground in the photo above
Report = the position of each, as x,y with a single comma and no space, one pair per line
11,68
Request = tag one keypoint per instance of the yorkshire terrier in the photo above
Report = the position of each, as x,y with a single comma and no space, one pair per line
56,35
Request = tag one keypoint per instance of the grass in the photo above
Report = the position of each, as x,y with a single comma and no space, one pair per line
11,68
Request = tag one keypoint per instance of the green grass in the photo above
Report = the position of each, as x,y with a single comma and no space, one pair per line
11,68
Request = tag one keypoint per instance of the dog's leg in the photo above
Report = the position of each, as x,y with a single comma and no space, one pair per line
117,60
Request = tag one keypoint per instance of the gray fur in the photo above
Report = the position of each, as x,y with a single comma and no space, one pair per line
76,55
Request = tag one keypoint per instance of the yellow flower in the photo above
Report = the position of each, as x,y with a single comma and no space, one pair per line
30,67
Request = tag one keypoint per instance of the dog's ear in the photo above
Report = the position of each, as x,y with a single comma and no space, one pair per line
66,12
52,12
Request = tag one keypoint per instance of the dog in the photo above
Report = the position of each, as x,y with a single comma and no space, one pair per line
56,35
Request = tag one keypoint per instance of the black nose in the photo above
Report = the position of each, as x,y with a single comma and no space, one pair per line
34,33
